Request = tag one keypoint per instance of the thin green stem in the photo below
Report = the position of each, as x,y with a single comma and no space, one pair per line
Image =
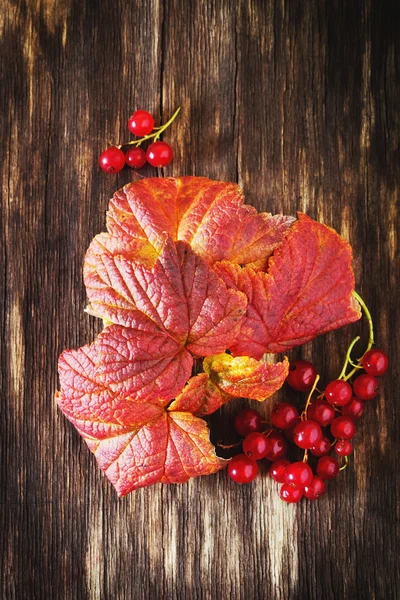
347,359
357,366
346,464
369,318
154,135
353,364
167,124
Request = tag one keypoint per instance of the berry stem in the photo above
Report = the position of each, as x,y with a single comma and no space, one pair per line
346,464
167,124
303,415
155,134
228,446
369,346
267,432
348,359
305,457
369,318
353,364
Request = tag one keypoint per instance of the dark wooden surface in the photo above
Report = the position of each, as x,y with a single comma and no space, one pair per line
298,101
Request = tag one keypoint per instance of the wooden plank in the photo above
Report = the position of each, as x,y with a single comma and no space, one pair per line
299,103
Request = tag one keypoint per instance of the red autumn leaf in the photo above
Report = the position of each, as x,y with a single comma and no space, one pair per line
210,215
244,377
200,396
307,291
105,243
136,443
144,363
83,397
180,296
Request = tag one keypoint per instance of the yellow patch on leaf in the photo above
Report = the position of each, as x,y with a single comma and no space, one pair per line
245,377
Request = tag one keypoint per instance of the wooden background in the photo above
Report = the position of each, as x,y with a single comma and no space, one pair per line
298,101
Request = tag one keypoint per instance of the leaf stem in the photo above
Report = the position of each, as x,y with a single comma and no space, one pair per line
154,135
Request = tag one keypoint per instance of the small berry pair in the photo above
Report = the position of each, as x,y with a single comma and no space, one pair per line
158,154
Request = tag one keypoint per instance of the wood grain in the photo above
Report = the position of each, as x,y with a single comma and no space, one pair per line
299,103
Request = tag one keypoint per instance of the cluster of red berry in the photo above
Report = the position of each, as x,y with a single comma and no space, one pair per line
158,154
337,407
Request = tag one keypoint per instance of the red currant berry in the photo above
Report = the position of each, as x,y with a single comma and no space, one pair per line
322,447
256,445
306,434
278,446
327,467
247,421
375,362
321,412
343,447
354,409
301,376
141,122
290,493
135,157
343,428
112,160
277,470
316,488
298,474
338,392
159,154
366,387
242,469
284,415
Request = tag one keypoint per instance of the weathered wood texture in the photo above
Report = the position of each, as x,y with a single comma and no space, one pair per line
298,102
